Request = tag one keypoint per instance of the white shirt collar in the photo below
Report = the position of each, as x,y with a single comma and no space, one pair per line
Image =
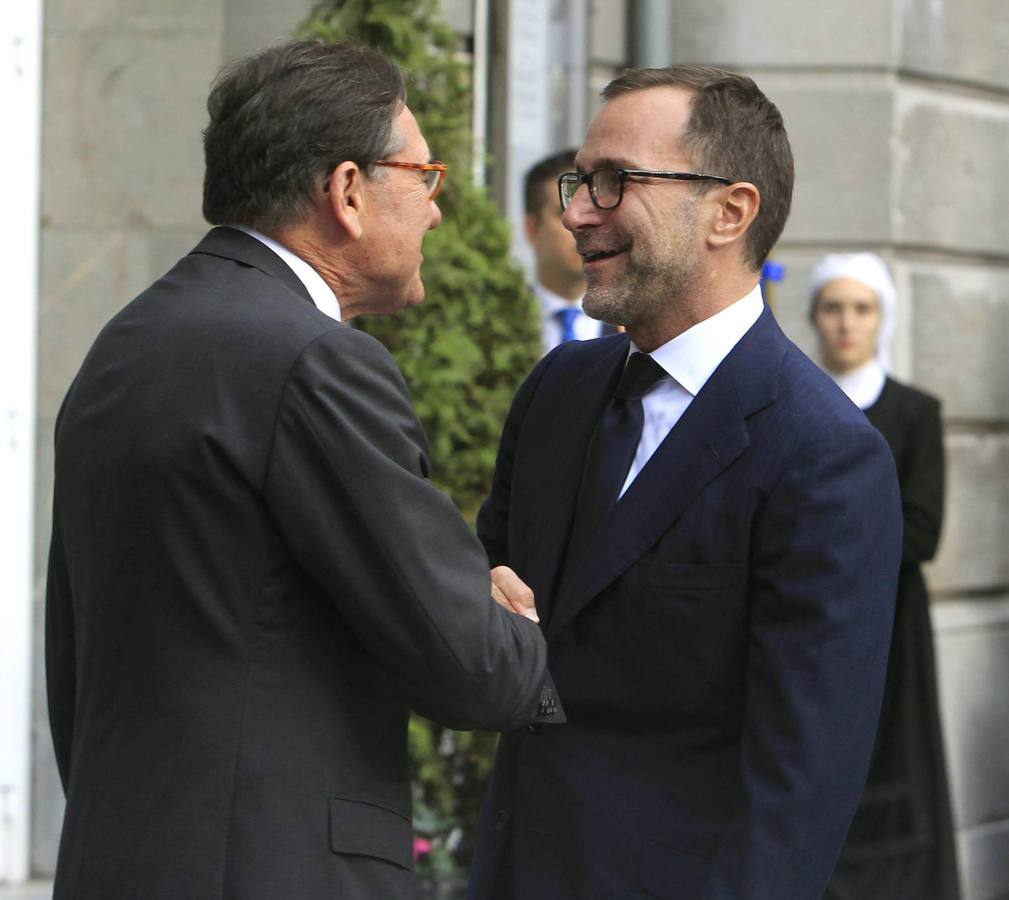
691,358
864,384
321,293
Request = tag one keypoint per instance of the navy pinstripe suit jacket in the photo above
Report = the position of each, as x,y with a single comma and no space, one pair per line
720,642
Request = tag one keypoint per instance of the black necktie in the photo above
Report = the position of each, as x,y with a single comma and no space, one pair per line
615,442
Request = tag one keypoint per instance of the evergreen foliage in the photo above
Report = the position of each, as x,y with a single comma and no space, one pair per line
464,352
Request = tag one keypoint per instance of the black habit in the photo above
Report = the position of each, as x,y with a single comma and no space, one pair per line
901,842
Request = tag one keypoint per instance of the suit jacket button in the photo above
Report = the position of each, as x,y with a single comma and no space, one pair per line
501,819
535,728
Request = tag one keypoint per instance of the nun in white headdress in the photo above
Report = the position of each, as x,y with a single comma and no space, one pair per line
901,842
853,306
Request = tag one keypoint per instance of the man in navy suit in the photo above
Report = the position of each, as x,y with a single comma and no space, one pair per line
711,529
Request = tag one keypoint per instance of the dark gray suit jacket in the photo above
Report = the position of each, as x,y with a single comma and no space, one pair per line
250,582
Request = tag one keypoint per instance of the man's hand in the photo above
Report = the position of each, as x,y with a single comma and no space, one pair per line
512,592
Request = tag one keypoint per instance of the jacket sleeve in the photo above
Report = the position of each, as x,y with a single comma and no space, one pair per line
60,657
825,560
346,483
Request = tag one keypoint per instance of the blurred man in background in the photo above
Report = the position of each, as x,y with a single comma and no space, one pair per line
560,283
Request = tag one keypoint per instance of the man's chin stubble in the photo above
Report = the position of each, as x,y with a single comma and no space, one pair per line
605,309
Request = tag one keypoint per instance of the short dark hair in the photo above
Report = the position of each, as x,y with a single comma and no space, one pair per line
283,119
734,131
545,173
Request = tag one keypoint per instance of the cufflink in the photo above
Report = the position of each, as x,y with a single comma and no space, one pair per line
548,703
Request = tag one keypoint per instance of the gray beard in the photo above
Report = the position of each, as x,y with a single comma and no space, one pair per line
640,294
651,284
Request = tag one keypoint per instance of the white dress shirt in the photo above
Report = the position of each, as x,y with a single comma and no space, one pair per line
321,293
690,359
585,327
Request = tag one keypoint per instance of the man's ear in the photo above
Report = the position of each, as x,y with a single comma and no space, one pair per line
344,191
738,208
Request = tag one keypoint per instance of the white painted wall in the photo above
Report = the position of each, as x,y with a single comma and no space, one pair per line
20,71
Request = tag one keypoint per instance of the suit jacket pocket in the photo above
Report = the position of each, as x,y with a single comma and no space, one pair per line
673,872
688,627
364,829
663,576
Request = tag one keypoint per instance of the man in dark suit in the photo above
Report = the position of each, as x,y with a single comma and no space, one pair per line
711,529
251,579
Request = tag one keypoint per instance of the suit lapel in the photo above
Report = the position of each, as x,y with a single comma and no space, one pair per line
553,491
711,435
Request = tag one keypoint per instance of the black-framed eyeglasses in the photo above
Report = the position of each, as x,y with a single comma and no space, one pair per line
434,173
606,186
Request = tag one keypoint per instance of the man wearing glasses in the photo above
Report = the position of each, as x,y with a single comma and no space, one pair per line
251,579
711,530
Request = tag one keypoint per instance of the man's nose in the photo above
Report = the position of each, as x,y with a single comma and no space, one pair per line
581,211
435,216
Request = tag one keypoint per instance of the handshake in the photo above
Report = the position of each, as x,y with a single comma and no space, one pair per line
512,592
